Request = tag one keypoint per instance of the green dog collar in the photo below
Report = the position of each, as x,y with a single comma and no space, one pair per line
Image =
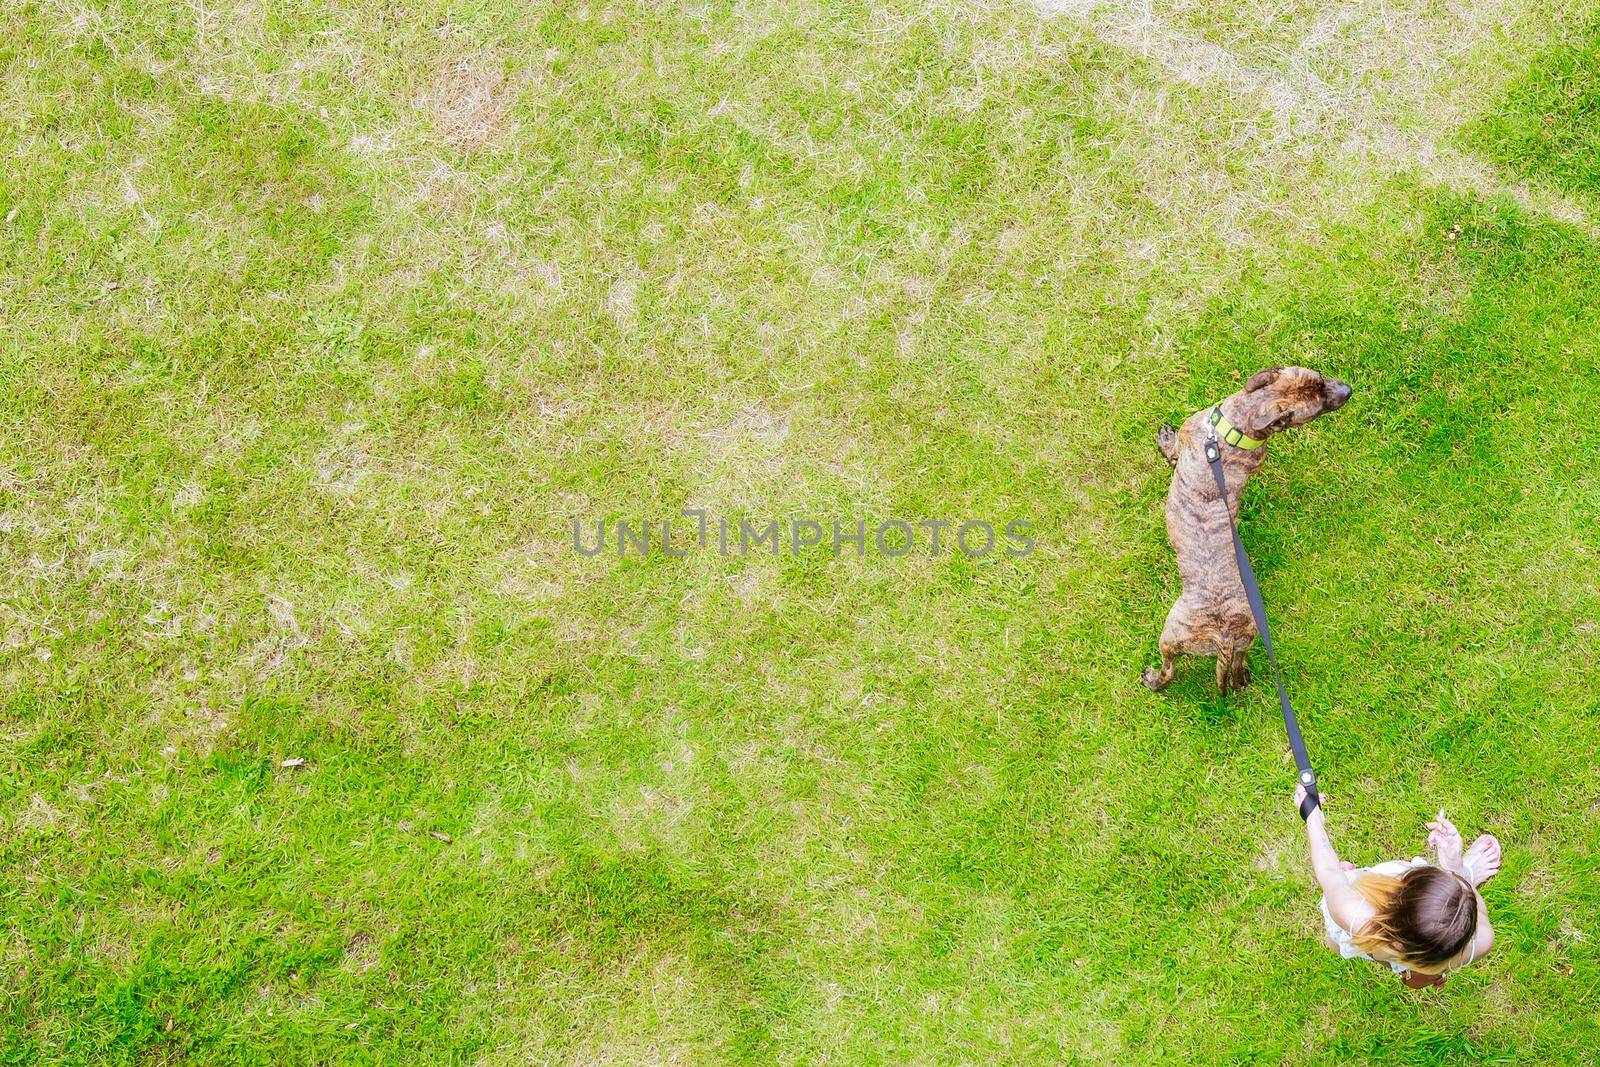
1229,432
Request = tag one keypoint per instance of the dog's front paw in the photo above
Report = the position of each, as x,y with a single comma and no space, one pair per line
1167,441
1154,680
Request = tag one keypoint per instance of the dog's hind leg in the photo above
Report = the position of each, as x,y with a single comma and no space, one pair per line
1241,672
1225,670
1156,680
1167,441
1174,635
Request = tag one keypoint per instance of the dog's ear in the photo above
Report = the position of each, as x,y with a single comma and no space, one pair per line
1262,378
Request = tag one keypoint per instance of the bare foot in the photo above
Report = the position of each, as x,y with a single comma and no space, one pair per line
1482,861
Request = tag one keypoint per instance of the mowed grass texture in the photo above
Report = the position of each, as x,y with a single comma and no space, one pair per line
319,743
1549,127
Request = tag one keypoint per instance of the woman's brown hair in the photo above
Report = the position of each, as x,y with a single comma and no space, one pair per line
1426,917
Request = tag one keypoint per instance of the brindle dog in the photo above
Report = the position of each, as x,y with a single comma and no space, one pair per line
1212,617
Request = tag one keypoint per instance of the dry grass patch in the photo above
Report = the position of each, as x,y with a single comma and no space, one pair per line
1380,88
469,102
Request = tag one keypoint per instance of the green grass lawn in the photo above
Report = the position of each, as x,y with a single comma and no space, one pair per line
319,326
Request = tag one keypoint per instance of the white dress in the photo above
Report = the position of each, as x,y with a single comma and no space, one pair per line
1339,935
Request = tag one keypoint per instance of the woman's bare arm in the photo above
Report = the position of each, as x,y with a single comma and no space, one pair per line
1348,907
1483,940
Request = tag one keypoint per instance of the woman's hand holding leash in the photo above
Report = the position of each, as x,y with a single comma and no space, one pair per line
1315,815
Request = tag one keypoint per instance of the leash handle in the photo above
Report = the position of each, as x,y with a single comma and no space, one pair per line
1258,609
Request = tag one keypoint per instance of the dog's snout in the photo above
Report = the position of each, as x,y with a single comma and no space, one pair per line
1338,393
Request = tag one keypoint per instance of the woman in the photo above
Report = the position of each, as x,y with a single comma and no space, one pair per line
1424,920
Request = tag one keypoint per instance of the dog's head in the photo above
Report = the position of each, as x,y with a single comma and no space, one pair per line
1281,398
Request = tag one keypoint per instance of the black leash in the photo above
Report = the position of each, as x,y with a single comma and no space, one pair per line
1252,593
